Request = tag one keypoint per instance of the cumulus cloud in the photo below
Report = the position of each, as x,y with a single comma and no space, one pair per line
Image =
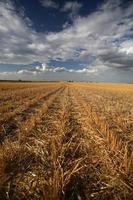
49,4
13,34
127,47
43,68
86,70
103,34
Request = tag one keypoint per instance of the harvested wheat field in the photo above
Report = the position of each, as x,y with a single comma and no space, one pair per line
66,141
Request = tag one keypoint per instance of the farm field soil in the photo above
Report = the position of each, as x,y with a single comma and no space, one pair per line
66,141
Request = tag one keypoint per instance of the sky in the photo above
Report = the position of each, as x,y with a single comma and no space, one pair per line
80,40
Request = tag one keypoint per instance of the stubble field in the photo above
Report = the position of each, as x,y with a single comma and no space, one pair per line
66,141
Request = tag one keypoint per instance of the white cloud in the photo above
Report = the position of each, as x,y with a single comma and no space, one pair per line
26,72
127,47
85,70
49,4
100,34
71,6
43,68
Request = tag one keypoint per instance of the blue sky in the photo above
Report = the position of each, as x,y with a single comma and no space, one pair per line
66,40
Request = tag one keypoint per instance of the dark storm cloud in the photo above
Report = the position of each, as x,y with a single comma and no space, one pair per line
117,59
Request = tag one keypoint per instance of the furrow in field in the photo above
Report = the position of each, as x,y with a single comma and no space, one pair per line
50,158
26,118
111,174
115,108
19,101
93,176
16,95
31,168
119,144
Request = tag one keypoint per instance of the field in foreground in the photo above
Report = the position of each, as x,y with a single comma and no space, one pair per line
66,141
